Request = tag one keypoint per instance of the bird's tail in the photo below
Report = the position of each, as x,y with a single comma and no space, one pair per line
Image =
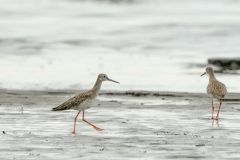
57,109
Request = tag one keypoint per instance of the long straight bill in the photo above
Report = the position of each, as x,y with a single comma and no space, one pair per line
113,80
203,74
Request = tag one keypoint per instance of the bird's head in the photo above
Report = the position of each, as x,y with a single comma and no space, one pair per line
209,70
104,77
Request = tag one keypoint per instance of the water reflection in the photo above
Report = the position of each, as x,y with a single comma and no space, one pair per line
215,123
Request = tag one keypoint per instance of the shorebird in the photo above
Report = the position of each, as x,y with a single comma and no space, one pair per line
84,101
216,89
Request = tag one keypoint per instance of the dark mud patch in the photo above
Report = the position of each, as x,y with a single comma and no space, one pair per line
228,100
141,94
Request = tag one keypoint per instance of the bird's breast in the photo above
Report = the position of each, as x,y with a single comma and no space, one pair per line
84,105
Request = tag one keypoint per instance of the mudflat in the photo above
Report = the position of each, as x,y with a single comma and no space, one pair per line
138,125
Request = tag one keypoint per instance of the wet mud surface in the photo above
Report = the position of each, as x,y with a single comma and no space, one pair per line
166,126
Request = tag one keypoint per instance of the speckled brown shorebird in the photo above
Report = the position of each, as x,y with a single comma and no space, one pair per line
216,89
84,101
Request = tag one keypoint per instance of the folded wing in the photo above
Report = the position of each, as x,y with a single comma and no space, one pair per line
74,101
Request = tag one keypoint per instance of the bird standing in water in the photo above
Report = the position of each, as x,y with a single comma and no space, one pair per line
84,101
216,89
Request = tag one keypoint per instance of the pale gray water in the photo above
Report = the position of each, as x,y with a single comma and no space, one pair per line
165,129
146,45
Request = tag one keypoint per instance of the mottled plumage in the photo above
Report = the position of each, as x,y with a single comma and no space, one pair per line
76,101
84,100
215,88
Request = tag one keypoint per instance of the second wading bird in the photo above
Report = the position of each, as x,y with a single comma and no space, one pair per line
216,89
84,101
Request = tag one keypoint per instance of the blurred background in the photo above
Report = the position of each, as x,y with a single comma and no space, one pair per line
155,45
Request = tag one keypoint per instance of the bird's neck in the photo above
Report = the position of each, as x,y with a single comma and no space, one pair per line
211,77
97,87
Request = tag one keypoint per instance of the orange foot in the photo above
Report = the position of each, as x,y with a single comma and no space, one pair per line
98,129
73,132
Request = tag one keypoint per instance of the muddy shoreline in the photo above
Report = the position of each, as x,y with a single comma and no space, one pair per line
138,125
35,97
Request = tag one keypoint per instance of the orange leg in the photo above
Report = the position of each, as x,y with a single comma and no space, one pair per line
96,128
219,109
75,119
212,108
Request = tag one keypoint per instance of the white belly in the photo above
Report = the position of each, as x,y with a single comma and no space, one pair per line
84,105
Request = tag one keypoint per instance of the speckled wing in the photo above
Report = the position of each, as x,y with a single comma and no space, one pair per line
217,89
74,101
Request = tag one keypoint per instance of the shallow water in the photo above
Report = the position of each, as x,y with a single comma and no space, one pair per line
149,101
132,131
146,45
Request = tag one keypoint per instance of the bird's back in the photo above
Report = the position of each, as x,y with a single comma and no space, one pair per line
83,98
216,89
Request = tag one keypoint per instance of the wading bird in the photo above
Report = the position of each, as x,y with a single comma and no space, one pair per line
84,101
215,89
